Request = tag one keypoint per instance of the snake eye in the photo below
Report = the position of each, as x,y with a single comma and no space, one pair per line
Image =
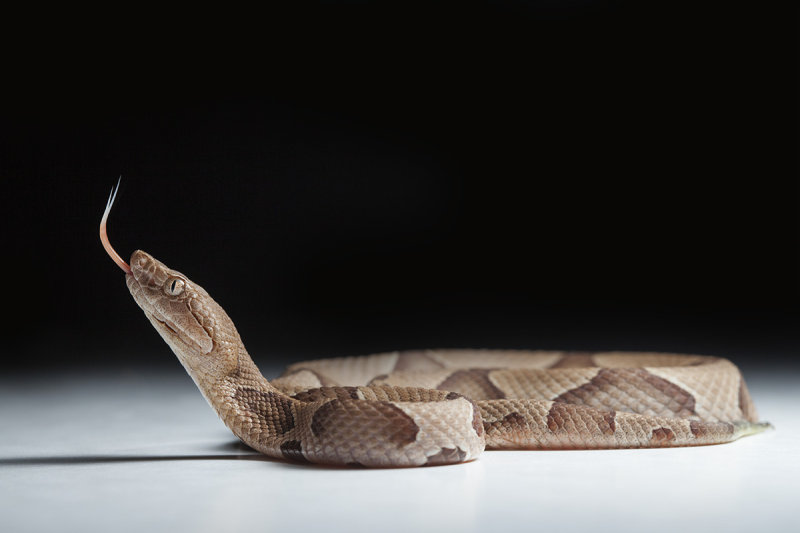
174,286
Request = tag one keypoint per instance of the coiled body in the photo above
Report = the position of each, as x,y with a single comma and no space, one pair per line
440,406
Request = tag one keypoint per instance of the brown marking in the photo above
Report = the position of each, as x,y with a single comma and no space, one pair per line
473,383
346,392
575,360
368,419
510,422
557,418
293,451
699,429
562,415
274,408
322,415
662,436
310,395
447,456
399,394
453,396
610,419
606,389
323,393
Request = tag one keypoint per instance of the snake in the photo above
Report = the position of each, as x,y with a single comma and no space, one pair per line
436,407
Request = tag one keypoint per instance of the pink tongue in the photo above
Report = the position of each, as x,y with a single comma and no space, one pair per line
104,235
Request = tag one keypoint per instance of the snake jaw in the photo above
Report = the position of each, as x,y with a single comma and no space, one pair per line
166,324
189,338
180,341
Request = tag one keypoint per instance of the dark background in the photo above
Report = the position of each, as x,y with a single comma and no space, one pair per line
348,178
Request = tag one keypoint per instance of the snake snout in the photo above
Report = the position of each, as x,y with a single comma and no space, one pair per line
141,261
147,270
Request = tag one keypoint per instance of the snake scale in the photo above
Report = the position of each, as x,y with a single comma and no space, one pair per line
433,407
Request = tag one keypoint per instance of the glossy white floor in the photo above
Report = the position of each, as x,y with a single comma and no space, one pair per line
143,452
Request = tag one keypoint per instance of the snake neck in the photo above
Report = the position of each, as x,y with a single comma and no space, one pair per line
255,411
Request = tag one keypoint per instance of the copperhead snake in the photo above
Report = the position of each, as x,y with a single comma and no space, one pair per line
433,407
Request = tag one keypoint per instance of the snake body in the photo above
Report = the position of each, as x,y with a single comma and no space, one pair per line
434,407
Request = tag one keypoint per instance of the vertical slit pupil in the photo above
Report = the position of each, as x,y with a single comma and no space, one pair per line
172,288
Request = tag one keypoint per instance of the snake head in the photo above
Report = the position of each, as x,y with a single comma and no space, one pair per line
194,325
168,299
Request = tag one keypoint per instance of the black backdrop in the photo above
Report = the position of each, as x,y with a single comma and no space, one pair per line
350,178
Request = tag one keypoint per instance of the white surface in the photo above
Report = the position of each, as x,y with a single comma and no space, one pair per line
140,452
